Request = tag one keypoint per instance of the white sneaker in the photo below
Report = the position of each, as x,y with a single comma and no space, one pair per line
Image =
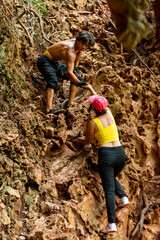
124,202
110,228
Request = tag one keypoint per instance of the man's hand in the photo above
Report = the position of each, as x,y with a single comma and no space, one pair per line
88,86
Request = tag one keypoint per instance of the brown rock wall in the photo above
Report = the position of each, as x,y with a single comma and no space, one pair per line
50,186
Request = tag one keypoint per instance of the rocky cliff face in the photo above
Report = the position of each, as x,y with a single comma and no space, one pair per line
50,186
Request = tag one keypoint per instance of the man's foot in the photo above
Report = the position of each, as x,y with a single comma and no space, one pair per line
124,202
55,111
110,228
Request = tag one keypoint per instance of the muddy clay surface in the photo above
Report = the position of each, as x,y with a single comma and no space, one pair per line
50,186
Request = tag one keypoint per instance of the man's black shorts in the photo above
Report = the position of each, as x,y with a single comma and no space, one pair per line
51,70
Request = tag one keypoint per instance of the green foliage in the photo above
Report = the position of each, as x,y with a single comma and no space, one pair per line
37,3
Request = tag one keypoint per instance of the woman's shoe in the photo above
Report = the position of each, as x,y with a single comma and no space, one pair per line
124,202
110,228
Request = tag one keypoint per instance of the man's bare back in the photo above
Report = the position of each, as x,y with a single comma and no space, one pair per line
60,50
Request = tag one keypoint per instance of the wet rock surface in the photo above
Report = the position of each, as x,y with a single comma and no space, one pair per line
50,186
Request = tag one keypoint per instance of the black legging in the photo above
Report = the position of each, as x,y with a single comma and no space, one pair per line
111,160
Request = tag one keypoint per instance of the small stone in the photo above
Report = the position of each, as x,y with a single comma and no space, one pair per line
12,191
49,131
38,175
2,206
5,219
62,135
22,238
50,207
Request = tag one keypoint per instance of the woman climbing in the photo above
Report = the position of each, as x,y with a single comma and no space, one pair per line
111,156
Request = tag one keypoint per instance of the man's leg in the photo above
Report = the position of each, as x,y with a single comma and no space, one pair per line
48,69
72,94
49,98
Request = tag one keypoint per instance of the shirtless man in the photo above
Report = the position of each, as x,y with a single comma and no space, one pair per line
50,67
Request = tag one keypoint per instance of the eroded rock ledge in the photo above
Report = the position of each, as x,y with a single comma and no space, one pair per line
131,24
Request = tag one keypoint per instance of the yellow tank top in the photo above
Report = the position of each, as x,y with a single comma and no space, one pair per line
107,134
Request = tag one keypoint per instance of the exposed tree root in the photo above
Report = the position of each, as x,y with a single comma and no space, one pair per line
56,13
83,12
144,210
5,8
109,19
23,26
41,25
29,37
26,11
137,54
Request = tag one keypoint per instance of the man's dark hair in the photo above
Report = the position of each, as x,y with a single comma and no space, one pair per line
100,113
85,36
